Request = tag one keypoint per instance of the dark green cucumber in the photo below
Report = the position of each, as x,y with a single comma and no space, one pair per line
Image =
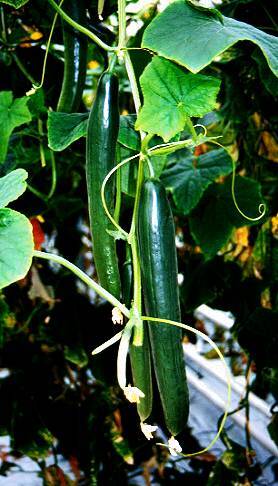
156,236
140,357
75,59
102,134
127,278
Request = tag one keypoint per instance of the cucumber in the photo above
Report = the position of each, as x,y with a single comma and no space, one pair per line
156,236
127,277
140,357
75,59
102,134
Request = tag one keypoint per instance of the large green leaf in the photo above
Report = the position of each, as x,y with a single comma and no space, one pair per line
190,176
171,95
193,37
12,186
16,246
15,3
213,220
66,128
267,76
128,137
12,115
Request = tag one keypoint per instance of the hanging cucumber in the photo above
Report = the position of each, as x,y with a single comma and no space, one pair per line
102,134
156,236
127,277
140,358
75,59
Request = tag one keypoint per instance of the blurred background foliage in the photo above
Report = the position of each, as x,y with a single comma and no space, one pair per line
54,396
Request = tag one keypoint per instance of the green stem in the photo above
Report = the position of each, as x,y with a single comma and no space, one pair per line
133,85
37,193
80,28
132,239
42,154
22,68
38,86
122,24
85,278
4,32
118,197
112,62
137,284
53,175
189,125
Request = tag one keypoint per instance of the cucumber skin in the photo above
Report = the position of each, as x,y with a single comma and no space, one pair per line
102,134
156,235
75,59
140,359
140,356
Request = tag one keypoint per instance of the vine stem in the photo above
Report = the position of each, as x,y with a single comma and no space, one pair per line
22,68
133,84
81,28
42,154
85,278
122,24
132,239
102,193
53,175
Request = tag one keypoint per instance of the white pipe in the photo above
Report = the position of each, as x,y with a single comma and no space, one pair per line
216,316
238,418
258,403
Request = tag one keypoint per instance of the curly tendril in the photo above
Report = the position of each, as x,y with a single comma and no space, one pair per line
262,206
102,192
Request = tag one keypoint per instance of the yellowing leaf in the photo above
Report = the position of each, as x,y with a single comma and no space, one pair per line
93,64
36,35
274,226
241,236
268,146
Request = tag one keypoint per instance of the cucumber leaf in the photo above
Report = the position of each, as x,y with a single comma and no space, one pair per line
13,113
15,3
193,37
215,217
16,246
66,128
188,178
267,77
12,186
128,137
171,96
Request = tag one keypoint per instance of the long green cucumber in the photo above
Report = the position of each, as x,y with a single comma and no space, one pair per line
102,134
156,236
75,59
140,356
